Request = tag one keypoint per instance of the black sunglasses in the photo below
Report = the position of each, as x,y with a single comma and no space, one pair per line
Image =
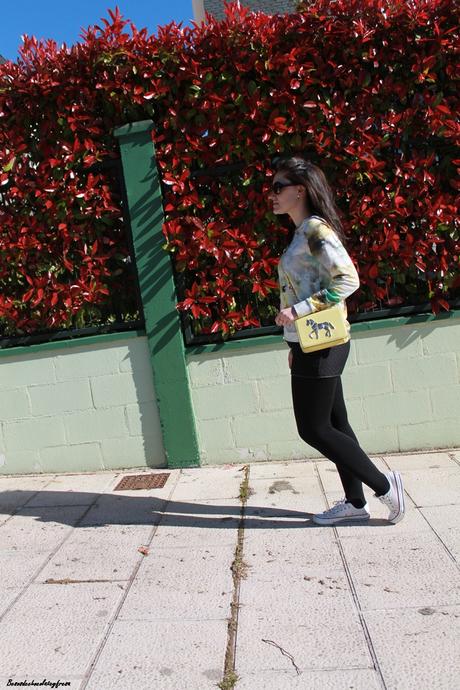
279,186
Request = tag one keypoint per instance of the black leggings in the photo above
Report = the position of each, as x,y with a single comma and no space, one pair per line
322,422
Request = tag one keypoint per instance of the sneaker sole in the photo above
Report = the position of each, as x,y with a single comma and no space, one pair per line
337,521
400,493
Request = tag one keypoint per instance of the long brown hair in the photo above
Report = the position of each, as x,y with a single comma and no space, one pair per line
320,198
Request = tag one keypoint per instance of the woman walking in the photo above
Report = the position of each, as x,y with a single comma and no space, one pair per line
316,272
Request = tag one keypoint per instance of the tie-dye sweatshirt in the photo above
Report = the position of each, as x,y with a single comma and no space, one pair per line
316,269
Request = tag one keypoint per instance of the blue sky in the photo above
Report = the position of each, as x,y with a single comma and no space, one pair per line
62,20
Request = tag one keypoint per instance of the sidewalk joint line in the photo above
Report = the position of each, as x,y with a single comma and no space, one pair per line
239,570
354,594
453,457
51,555
24,505
438,536
411,608
420,510
92,664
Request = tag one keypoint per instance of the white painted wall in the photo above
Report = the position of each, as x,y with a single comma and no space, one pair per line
198,10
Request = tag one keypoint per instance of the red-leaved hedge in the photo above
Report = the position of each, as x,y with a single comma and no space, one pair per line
367,89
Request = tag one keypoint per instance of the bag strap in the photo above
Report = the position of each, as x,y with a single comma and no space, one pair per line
292,287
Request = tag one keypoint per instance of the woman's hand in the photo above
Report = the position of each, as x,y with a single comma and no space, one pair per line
290,358
284,317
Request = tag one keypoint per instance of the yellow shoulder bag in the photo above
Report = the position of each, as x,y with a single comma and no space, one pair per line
321,329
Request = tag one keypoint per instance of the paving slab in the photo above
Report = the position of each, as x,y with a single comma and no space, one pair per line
278,532
187,584
200,524
15,494
208,510
55,629
300,493
27,541
434,487
40,529
292,615
395,572
285,501
147,654
22,568
74,489
293,550
8,596
445,520
209,483
294,583
330,477
335,679
115,509
91,553
421,461
280,470
417,648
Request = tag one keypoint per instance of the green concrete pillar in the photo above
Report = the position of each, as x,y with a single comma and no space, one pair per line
162,322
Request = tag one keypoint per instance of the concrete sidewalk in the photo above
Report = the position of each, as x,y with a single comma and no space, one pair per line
365,606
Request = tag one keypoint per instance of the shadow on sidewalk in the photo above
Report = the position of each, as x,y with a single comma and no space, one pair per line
97,509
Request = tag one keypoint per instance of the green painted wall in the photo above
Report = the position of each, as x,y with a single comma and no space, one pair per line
401,383
79,406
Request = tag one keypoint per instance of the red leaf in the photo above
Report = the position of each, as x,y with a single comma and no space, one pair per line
395,301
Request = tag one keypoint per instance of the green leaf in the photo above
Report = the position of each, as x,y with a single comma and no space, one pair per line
9,166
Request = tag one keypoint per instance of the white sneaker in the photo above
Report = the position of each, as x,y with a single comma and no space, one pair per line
341,511
394,498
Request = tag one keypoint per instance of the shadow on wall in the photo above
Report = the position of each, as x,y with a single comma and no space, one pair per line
404,335
142,414
153,267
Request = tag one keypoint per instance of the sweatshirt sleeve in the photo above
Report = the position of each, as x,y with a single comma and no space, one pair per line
327,248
